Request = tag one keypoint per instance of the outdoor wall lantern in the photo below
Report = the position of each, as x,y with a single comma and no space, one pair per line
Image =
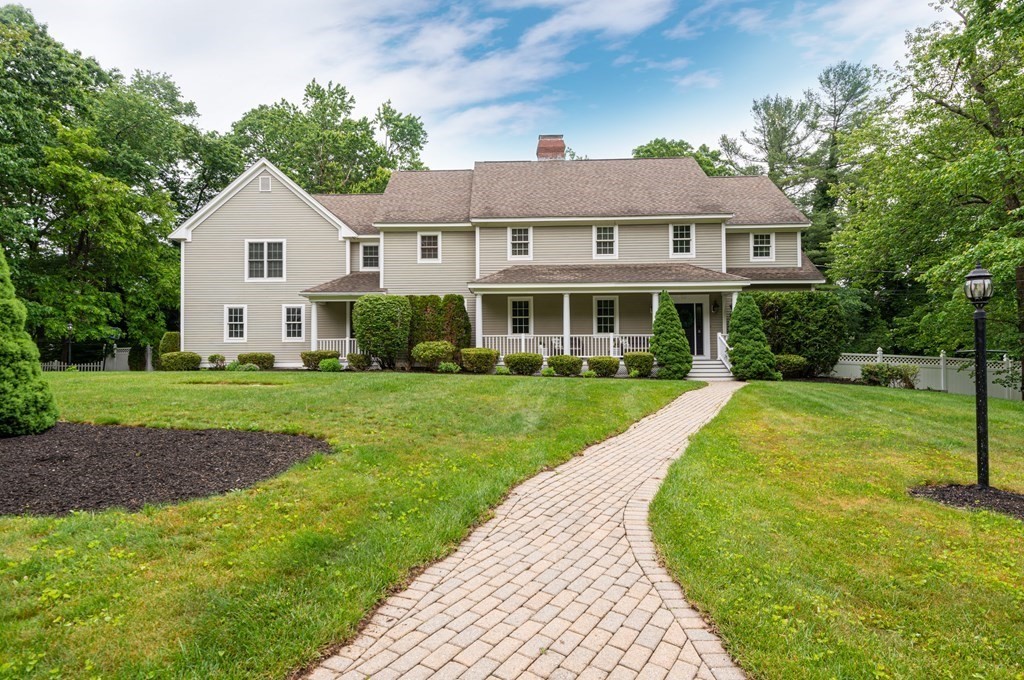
978,288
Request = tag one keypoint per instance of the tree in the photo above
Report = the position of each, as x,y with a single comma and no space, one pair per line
456,325
750,355
668,341
26,403
711,161
381,324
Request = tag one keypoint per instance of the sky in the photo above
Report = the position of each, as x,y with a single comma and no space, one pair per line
487,77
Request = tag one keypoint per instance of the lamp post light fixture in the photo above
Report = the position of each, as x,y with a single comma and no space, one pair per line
978,288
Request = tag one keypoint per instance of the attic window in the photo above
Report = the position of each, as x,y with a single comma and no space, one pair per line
265,183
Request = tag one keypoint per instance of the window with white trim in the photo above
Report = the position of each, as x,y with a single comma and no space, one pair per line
429,247
762,246
293,323
234,323
264,260
605,316
520,316
519,243
605,241
682,240
370,255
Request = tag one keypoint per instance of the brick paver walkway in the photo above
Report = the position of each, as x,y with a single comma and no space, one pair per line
563,582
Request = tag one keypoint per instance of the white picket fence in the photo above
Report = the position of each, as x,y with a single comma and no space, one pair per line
61,366
942,373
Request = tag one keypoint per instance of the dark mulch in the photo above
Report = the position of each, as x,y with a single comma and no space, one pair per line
975,498
88,467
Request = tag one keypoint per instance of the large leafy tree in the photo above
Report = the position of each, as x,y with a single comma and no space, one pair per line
712,161
941,179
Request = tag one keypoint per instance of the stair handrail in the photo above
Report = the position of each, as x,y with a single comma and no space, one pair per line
723,351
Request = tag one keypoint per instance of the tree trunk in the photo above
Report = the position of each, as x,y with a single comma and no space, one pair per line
1020,319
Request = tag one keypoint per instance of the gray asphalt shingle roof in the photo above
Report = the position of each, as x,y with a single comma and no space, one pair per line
672,272
358,282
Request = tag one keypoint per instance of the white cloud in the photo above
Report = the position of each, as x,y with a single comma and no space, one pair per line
643,64
705,78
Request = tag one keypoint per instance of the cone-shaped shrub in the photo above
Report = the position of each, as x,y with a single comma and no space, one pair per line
382,327
26,403
668,343
750,355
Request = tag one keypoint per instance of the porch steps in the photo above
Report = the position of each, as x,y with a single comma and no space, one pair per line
709,370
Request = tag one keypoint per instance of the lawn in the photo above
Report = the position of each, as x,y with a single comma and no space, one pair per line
256,582
788,521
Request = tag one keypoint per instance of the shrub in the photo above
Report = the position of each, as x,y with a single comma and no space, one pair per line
245,368
312,359
26,403
358,362
605,367
791,365
170,342
455,325
180,361
668,341
265,360
589,374
548,372
71,369
382,326
524,363
566,364
216,361
137,358
433,352
750,356
234,366
425,320
810,324
448,367
329,365
640,362
479,359
502,370
886,375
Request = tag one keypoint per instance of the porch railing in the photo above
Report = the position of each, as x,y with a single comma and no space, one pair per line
723,350
343,346
614,345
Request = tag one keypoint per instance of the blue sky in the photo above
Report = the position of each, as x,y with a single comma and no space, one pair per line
488,77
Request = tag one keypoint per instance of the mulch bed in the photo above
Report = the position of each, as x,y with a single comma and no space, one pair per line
975,498
88,467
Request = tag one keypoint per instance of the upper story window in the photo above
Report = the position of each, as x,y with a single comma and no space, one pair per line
762,246
293,326
429,247
235,323
264,260
520,316
520,243
606,241
370,256
681,240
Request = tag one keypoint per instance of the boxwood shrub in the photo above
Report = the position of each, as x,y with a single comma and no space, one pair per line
886,375
791,366
312,359
566,364
358,362
170,342
382,327
180,361
604,367
524,363
329,365
217,362
433,352
641,362
265,360
479,359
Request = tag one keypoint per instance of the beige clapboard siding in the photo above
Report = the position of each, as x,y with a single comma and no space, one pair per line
215,262
357,261
638,243
331,319
737,250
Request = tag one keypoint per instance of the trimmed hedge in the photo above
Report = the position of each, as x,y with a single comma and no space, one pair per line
524,363
479,359
169,342
265,360
137,358
312,359
791,366
750,355
329,365
180,361
433,352
641,362
425,320
382,327
566,364
217,362
358,362
455,325
605,367
810,324
668,341
887,375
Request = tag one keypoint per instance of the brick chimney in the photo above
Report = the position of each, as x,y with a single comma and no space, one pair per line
550,148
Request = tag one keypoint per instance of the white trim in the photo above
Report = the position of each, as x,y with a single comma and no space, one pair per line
362,257
725,266
460,226
314,327
181,295
779,282
348,257
380,283
615,241
284,261
566,325
706,301
284,322
419,248
268,185
771,245
693,241
767,227
245,323
799,249
478,317
477,248
528,298
508,239
611,219
613,298
184,231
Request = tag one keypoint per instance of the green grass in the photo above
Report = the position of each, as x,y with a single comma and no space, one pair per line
788,521
255,582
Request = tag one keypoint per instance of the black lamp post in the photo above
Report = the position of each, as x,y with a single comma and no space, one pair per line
978,288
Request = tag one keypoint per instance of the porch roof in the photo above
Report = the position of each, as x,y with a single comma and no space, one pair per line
357,283
569,275
806,272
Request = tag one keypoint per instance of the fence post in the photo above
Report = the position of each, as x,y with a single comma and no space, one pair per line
942,370
878,353
1006,375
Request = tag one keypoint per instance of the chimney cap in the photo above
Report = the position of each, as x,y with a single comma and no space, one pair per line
550,148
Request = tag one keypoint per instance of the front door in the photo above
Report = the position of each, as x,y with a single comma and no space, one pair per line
692,316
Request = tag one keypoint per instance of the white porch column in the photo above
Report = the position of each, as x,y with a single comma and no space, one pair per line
565,324
478,313
312,326
725,317
655,298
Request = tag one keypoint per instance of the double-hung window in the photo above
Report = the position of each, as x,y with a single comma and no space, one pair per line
235,323
293,323
370,255
520,316
762,246
429,247
681,236
520,246
605,316
264,260
606,240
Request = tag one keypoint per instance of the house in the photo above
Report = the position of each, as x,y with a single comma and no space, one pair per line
553,256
